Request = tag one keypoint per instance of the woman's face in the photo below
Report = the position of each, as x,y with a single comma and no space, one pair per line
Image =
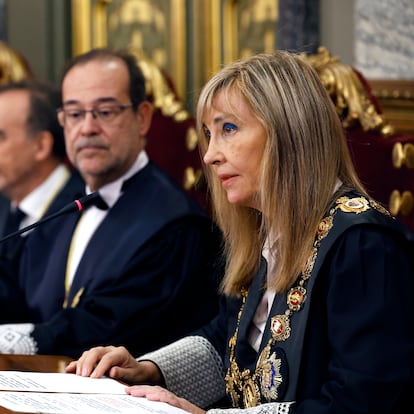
236,141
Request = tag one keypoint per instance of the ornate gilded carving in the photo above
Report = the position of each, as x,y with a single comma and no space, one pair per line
157,86
191,177
191,139
403,154
351,99
13,66
401,203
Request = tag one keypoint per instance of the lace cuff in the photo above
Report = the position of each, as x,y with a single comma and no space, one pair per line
270,408
192,369
16,339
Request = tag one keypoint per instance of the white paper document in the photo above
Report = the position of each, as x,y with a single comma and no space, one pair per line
61,393
64,403
58,382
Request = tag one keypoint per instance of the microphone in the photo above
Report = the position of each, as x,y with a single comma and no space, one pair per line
77,205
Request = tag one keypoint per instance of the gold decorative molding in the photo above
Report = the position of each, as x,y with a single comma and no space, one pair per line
90,29
401,203
158,88
396,98
393,88
13,65
346,89
191,177
81,24
222,29
191,139
230,29
403,154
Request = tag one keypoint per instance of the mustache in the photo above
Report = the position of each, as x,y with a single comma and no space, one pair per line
89,142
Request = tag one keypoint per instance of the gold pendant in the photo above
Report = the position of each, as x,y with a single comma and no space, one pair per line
353,205
251,394
296,297
270,377
280,327
231,389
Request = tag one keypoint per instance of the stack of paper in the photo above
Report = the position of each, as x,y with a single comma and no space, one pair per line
60,393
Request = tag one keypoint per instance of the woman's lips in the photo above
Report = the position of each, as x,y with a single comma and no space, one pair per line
226,179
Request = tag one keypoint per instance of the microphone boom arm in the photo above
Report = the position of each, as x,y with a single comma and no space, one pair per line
77,205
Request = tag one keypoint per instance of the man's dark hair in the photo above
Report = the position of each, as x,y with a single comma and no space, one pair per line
136,78
44,100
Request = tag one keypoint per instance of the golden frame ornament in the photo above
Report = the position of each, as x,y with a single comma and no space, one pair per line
222,29
91,20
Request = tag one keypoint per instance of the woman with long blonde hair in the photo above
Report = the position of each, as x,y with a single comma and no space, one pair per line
317,295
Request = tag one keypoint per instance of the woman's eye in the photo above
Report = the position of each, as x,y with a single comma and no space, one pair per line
207,133
228,128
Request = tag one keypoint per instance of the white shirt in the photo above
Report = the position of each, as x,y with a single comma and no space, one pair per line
262,311
93,216
38,201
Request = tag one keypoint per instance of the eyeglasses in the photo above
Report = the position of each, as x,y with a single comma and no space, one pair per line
105,114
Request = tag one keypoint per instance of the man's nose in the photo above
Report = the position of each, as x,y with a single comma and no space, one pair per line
93,112
90,121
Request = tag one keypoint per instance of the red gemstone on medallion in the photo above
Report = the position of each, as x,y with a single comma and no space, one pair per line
295,297
277,326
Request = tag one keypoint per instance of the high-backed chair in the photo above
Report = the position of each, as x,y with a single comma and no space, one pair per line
13,66
384,160
172,140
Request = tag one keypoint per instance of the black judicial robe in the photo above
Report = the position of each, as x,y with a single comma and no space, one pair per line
147,275
12,302
351,344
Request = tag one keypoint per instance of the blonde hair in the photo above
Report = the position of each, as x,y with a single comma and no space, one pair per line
305,154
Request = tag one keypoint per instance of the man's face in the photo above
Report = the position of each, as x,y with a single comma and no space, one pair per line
19,152
102,149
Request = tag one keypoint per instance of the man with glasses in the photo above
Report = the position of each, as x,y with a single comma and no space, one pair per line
139,270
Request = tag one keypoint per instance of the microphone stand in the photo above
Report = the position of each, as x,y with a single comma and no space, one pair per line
76,205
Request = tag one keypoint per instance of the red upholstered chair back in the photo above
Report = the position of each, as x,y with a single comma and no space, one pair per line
383,159
172,140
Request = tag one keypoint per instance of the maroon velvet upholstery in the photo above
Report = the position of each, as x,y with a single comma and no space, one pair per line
383,159
373,158
171,141
167,147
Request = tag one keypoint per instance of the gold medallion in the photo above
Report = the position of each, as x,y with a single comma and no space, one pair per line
353,205
296,297
251,394
324,227
280,327
270,377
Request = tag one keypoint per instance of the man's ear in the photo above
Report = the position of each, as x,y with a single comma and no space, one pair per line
144,114
44,145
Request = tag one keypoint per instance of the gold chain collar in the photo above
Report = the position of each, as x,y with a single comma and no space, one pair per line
247,389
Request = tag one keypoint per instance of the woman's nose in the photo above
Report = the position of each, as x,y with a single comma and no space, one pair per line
212,155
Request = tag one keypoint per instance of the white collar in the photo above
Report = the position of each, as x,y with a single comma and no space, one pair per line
112,191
